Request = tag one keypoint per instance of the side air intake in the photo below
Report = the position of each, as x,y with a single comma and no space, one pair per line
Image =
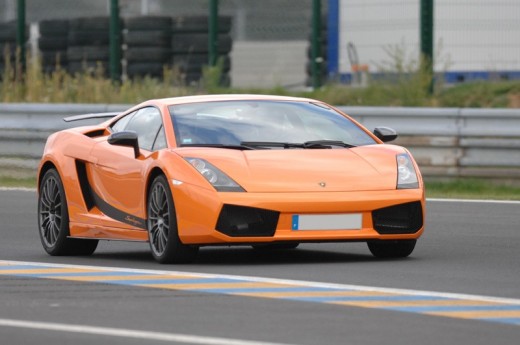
399,219
242,221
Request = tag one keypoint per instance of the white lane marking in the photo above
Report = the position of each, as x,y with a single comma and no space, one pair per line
17,189
303,283
474,201
24,189
129,333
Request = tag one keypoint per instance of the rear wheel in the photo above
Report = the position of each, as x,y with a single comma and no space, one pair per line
392,248
164,238
53,220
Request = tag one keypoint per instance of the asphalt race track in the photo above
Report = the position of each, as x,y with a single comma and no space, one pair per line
469,254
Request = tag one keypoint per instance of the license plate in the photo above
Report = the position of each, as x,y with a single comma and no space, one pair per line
351,221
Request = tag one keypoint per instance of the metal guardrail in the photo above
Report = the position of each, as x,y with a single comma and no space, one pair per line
446,142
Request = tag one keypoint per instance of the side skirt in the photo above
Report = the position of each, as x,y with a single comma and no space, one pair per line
89,231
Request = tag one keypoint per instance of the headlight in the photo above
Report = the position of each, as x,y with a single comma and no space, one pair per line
220,181
406,175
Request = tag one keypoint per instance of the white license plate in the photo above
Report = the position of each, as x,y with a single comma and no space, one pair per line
351,221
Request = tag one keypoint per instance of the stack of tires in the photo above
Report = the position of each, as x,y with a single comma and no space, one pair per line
8,44
53,44
190,42
147,45
88,45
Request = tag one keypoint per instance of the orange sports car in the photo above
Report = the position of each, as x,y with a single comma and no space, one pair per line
265,171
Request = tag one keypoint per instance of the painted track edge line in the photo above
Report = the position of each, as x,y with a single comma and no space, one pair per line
128,333
503,300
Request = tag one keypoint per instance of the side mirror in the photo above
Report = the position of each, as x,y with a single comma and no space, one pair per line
385,134
125,138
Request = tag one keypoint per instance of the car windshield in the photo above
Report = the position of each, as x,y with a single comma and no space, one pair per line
264,125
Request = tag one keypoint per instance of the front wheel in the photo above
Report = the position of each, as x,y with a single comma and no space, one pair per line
53,220
391,248
163,233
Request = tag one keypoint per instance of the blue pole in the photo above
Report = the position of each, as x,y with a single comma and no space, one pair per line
333,39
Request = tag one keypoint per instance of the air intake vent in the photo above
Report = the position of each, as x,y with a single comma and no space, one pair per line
241,221
399,219
96,133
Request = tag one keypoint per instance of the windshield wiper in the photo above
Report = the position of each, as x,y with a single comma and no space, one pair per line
222,146
313,144
265,144
321,143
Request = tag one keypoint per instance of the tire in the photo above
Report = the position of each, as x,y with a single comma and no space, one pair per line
141,69
91,38
88,53
88,67
165,243
275,246
9,48
54,57
198,43
199,24
155,38
53,220
323,48
147,54
52,43
90,24
54,27
149,23
391,248
192,63
308,68
8,32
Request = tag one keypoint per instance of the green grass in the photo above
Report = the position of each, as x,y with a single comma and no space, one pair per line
408,87
455,189
28,182
472,189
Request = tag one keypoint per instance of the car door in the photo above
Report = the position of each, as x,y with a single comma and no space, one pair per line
118,178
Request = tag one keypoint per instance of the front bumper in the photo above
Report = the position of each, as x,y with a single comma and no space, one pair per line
200,214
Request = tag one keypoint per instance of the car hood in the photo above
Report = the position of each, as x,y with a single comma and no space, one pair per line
363,168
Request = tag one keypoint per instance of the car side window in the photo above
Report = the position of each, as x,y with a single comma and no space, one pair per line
147,123
122,122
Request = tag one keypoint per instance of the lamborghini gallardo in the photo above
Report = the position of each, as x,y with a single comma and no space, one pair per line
269,172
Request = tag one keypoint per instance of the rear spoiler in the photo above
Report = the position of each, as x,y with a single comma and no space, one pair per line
90,116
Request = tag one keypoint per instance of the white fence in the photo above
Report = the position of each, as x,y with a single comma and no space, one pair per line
446,142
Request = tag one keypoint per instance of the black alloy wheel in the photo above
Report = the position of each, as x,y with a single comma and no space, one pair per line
165,243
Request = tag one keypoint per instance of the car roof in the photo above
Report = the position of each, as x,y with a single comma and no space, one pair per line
228,97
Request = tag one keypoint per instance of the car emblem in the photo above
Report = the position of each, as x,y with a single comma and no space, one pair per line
322,184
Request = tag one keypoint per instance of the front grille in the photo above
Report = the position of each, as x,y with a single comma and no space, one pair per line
399,219
242,221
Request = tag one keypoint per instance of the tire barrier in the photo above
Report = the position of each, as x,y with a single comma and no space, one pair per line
8,49
88,45
147,48
149,45
53,44
190,47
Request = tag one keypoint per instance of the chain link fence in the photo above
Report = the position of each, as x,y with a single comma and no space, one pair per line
474,39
